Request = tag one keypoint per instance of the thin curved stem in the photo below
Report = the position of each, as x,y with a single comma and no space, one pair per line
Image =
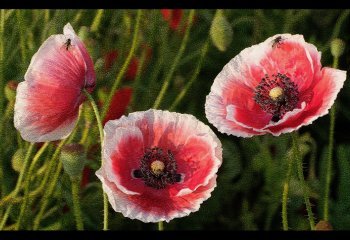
176,61
330,157
2,24
97,114
194,76
100,128
22,39
76,204
47,195
26,184
50,188
285,194
160,226
339,23
97,20
297,155
18,184
125,65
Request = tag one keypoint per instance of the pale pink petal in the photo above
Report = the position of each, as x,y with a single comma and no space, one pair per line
47,102
216,113
122,150
43,113
154,208
90,78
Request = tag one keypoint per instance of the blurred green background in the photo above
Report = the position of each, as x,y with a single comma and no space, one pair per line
249,190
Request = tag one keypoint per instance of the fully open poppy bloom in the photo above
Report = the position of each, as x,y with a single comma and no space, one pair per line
47,102
158,165
274,87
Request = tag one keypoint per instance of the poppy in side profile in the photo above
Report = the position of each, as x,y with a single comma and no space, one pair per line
47,102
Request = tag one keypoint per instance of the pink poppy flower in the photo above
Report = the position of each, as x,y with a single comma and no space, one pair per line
274,87
47,102
158,165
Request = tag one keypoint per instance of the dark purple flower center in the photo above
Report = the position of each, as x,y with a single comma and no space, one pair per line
277,95
157,168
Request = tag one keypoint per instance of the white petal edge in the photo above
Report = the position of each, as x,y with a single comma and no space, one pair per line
127,208
23,121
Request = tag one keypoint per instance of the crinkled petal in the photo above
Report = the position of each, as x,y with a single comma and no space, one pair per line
325,93
155,207
197,152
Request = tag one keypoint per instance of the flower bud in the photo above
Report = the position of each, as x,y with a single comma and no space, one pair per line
337,47
323,226
73,159
221,32
17,159
10,90
99,65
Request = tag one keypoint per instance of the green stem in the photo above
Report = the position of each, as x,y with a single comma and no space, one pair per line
2,25
46,196
138,77
97,20
125,65
22,36
49,189
330,157
176,61
193,77
18,184
76,204
100,128
285,194
97,114
27,182
160,226
297,155
339,23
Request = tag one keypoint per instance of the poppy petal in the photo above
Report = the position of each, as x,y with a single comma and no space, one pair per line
193,148
47,102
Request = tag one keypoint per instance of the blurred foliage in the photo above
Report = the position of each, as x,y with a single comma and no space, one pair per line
249,190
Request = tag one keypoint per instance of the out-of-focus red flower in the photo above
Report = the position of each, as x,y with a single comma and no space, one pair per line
173,17
119,103
110,58
132,69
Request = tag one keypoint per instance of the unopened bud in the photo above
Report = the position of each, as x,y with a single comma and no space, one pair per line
17,159
323,226
99,65
221,32
10,90
337,47
73,159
